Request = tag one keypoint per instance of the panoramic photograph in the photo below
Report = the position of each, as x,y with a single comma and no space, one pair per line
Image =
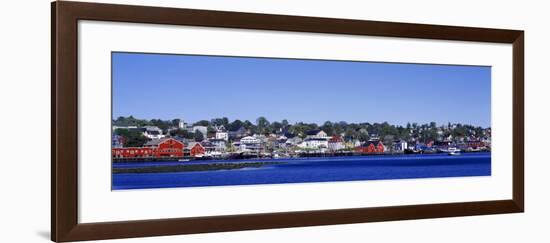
198,120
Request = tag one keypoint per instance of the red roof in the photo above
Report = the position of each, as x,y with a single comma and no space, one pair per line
336,139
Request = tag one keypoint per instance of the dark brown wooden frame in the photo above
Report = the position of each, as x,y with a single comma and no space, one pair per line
64,202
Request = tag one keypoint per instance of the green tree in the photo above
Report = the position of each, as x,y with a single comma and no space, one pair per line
328,127
337,129
210,131
220,122
132,138
130,121
182,133
164,125
284,122
249,126
263,124
202,123
176,122
198,136
276,127
235,125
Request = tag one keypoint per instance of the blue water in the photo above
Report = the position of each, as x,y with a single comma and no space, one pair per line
302,170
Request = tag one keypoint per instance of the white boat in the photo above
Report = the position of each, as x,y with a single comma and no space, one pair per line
454,151
183,160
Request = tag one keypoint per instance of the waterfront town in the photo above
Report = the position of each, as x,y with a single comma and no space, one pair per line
146,140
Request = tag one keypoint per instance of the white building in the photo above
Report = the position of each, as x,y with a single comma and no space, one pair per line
336,143
250,143
316,134
315,139
219,144
222,135
400,145
314,143
123,127
153,132
182,124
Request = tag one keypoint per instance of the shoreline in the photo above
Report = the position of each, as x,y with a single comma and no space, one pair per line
192,167
311,155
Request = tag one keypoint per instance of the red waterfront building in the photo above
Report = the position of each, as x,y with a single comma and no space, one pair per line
132,152
157,148
475,144
166,147
196,149
371,147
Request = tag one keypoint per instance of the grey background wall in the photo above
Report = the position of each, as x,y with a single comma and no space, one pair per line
25,112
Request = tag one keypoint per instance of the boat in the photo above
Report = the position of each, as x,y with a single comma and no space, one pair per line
454,151
183,160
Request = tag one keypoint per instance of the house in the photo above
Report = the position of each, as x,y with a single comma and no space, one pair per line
352,143
208,146
219,144
166,147
336,143
371,146
281,141
195,149
117,141
237,134
314,143
182,124
222,134
272,143
476,144
152,132
250,143
315,139
399,145
316,134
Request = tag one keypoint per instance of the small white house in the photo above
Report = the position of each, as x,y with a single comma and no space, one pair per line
400,146
314,143
153,132
249,143
222,135
219,144
182,124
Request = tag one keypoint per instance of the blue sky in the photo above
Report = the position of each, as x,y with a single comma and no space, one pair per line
196,88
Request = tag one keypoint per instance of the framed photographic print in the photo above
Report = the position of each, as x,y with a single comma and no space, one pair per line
239,121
